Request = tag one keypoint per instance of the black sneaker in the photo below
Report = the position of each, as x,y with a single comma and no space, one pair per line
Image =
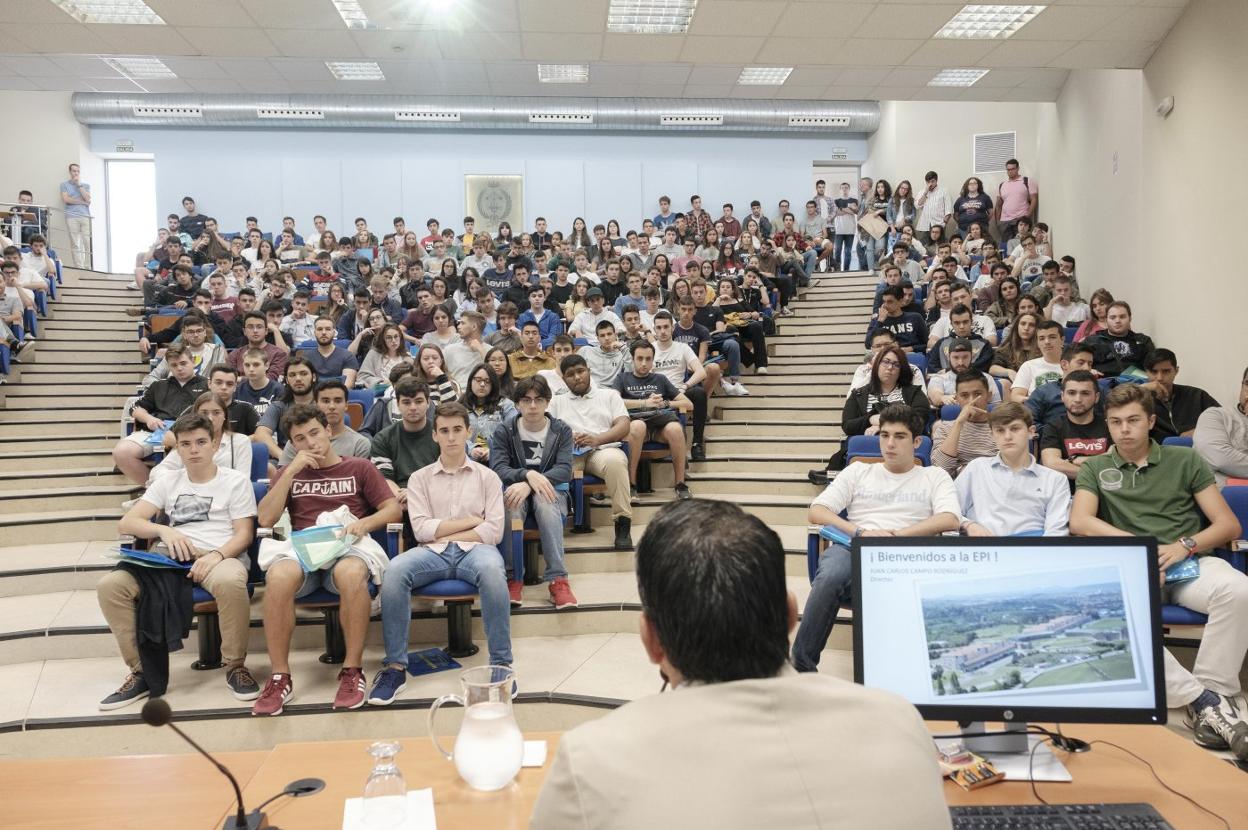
242,685
633,497
623,533
682,491
698,452
1220,727
819,478
134,688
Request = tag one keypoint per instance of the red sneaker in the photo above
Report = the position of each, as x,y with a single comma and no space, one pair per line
272,700
514,587
351,689
561,594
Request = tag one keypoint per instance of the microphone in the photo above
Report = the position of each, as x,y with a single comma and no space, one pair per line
156,712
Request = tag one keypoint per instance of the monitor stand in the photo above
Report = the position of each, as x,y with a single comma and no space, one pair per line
1010,751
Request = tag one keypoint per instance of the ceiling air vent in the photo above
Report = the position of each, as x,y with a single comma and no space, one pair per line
818,120
425,115
691,120
297,113
167,112
992,151
561,118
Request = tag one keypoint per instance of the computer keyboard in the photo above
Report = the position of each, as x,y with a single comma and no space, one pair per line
1058,817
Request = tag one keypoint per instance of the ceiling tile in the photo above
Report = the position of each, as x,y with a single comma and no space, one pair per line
616,73
753,91
119,85
794,92
484,45
1069,22
8,36
866,51
1096,54
466,71
302,69
782,51
906,20
1020,94
459,16
142,40
36,66
943,53
196,68
25,84
732,17
293,14
665,73
558,48
1006,78
979,92
250,69
1142,24
165,85
848,92
714,74
862,76
84,66
58,37
906,76
334,86
619,47
1041,78
1024,53
376,44
832,20
69,84
442,86
41,12
938,93
499,71
585,16
326,44
214,85
814,75
703,49
240,43
708,90
274,85
894,93
203,13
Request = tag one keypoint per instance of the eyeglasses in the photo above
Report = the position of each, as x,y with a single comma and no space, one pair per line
531,400
892,364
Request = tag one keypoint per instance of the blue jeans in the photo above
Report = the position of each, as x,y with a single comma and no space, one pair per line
844,250
731,350
831,587
482,566
550,519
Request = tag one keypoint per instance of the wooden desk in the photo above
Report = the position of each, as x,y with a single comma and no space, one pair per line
345,766
182,791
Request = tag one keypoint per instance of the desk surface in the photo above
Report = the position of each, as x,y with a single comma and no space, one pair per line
183,791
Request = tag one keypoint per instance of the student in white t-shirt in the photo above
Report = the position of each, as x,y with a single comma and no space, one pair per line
893,498
1047,367
1062,308
585,324
211,519
682,367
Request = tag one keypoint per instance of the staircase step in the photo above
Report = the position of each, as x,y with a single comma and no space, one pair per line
792,430
65,472
779,484
84,496
35,424
60,462
770,508
23,397
62,525
728,415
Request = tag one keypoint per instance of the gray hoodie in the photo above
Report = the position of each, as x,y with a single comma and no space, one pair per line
1221,438
604,365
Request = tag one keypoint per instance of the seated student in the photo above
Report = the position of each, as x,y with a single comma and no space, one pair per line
256,388
1141,488
1118,348
240,415
256,331
210,512
956,443
599,422
608,358
633,296
961,328
1011,493
687,374
909,329
652,400
331,399
942,389
894,498
939,301
1079,432
880,339
460,357
1221,437
456,510
330,360
1050,340
724,650
318,480
517,291
1062,308
162,401
298,384
530,359
403,447
197,345
419,321
561,348
548,322
299,323
586,323
1177,407
981,324
507,336
1046,402
697,337
532,454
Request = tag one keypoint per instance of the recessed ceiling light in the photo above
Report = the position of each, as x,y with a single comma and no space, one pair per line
110,11
764,75
563,73
356,70
987,22
140,68
352,13
650,17
957,77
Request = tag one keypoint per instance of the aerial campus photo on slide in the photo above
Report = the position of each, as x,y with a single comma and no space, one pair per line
1054,630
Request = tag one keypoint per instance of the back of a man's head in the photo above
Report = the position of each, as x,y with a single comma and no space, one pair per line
712,587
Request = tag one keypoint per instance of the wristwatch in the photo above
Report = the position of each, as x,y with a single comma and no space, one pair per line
1189,543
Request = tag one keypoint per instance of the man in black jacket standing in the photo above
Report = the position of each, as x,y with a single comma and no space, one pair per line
532,453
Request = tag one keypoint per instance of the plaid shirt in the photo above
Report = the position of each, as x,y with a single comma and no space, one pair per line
702,223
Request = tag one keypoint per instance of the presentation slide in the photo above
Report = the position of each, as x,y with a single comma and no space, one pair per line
985,625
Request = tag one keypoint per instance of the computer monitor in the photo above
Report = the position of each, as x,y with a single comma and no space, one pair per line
975,629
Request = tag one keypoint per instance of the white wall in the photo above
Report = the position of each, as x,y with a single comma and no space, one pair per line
342,174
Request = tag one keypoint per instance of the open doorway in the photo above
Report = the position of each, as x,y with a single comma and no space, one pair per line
833,174
130,208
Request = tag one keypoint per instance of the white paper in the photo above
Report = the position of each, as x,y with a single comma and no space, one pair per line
420,814
534,754
1021,767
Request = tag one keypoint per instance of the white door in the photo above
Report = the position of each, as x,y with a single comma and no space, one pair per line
131,210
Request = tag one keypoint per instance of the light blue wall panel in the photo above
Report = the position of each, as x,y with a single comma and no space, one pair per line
613,190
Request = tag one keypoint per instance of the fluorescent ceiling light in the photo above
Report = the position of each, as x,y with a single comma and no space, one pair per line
140,69
650,17
957,77
110,11
356,70
764,75
563,73
987,22
352,13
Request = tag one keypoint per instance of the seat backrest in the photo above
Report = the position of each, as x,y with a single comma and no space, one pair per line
259,461
918,361
860,446
355,414
364,397
1177,441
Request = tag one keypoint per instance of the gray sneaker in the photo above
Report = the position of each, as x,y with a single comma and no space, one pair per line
242,684
134,688
1220,727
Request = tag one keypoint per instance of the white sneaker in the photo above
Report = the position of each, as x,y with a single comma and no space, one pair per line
727,386
761,370
741,391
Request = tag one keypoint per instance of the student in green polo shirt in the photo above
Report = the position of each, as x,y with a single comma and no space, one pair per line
1140,488
404,447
